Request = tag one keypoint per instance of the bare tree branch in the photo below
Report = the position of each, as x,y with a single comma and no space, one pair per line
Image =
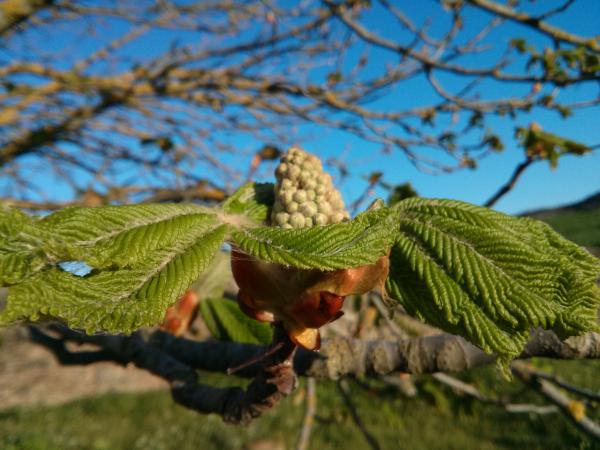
13,14
536,23
273,381
165,115
346,356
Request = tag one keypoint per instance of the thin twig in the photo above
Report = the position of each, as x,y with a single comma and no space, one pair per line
309,414
345,393
572,409
384,312
472,391
505,189
535,23
591,395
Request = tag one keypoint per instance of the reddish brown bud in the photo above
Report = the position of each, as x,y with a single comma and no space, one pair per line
248,307
303,300
180,315
317,309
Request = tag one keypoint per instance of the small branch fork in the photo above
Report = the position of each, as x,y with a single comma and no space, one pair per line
274,379
177,359
548,386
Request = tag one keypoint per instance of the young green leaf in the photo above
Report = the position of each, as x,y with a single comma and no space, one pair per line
111,230
253,200
22,249
227,322
490,277
358,242
143,258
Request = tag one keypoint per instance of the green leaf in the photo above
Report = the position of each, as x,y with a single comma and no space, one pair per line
548,146
253,200
490,277
355,243
227,322
143,258
84,228
22,249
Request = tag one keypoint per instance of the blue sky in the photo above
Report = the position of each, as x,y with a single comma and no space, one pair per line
574,179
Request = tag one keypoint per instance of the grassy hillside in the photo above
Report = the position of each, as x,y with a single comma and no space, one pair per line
437,418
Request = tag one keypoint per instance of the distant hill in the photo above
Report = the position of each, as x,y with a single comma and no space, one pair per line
579,222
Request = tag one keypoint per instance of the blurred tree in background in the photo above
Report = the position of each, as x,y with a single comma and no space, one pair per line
166,100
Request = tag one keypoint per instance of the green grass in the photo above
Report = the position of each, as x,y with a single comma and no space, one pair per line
437,419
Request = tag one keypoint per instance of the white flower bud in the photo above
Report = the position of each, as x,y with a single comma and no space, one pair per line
320,219
337,204
336,201
287,197
324,207
300,196
281,171
309,209
320,189
304,194
286,184
297,220
282,218
310,185
306,176
337,217
293,173
298,157
316,162
309,166
325,180
293,151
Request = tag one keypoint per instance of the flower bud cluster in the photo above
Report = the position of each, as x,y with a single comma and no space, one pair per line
304,194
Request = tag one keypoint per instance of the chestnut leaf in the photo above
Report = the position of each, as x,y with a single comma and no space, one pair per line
253,200
466,269
490,277
142,258
22,251
227,322
359,242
